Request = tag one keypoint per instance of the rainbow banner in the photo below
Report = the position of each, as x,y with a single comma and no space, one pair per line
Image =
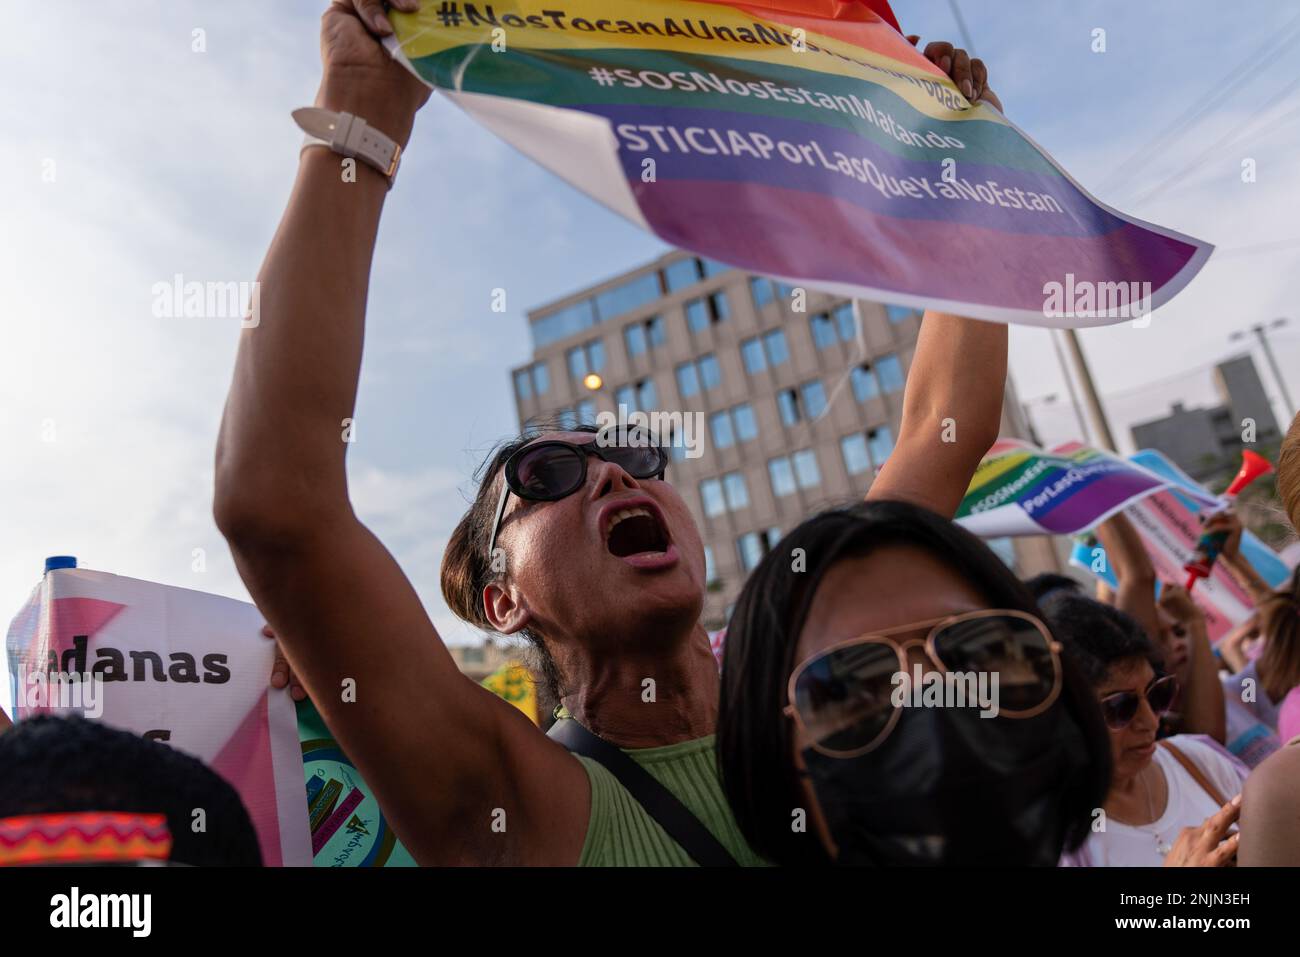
1022,490
805,140
1168,524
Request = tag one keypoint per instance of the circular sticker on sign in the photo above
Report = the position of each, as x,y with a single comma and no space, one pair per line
347,827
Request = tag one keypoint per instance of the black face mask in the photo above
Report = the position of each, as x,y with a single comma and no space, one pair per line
948,787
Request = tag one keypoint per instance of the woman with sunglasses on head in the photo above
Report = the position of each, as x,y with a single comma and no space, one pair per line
829,754
1171,801
578,545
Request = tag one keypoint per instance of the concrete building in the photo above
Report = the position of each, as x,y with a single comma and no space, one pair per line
800,402
1207,443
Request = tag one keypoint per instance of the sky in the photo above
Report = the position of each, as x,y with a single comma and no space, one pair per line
129,157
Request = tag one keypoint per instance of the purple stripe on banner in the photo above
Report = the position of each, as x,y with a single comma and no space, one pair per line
893,187
748,224
326,830
1084,504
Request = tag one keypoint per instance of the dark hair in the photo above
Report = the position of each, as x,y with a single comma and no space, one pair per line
754,737
466,564
1096,635
1279,622
1044,584
50,765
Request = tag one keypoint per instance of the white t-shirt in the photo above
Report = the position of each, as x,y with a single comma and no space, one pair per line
1123,845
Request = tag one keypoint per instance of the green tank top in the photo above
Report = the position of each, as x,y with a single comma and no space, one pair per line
621,834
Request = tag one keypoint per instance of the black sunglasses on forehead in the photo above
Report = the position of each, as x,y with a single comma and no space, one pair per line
551,470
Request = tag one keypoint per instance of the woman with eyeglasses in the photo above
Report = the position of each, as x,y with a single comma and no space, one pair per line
1172,801
889,696
576,543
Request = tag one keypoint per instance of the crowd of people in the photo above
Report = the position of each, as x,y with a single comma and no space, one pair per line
1113,711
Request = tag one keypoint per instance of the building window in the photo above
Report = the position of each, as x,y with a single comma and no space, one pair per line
711,268
775,348
727,494
703,373
683,273
703,312
641,336
742,416
789,472
814,398
762,351
897,314
845,323
688,380
838,325
880,441
863,451
782,476
854,450
632,294
637,396
588,357
724,436
532,381
563,323
586,412
737,492
711,498
761,290
710,569
787,401
864,382
733,425
890,371
754,545
823,331
806,473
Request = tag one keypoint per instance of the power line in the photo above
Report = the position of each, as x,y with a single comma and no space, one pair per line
1223,142
1227,85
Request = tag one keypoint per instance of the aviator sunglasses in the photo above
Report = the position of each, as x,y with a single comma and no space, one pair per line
548,471
1119,709
842,697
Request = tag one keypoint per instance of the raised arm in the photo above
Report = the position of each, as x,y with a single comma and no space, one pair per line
952,406
1136,594
1237,565
442,754
952,412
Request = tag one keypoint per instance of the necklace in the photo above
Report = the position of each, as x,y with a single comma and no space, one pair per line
1163,847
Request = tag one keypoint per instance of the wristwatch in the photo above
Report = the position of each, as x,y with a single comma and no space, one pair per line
349,136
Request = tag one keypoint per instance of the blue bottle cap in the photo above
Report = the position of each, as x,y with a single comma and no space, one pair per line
60,561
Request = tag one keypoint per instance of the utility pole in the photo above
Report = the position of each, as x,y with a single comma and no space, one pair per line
1260,332
1096,413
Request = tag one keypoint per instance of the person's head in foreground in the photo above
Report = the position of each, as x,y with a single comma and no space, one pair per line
823,647
1157,810
574,542
56,766
1278,665
1288,473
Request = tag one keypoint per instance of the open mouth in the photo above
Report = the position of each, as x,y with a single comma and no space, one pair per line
635,531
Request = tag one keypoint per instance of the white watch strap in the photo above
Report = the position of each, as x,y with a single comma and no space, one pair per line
349,136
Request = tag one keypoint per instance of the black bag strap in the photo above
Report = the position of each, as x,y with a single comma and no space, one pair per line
660,803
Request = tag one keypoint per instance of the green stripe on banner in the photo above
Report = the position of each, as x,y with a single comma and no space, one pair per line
562,78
